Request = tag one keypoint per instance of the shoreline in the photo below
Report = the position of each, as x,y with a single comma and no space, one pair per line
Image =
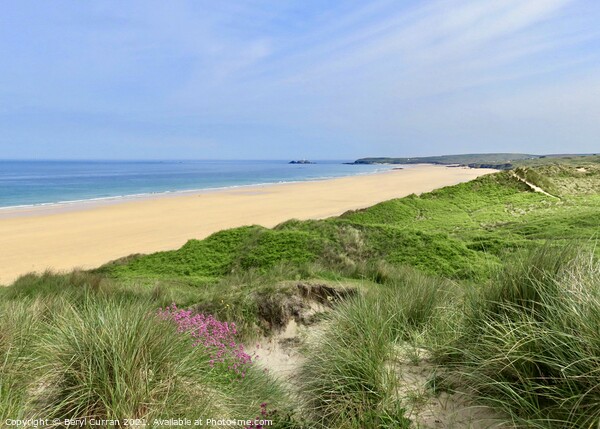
68,205
87,235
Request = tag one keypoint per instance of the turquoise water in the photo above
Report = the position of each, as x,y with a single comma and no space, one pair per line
25,183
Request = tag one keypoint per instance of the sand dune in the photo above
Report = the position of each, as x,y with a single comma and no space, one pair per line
87,235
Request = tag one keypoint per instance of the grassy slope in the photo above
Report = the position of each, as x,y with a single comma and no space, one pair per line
463,233
458,232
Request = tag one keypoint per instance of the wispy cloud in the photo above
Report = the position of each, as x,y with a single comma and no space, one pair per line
342,79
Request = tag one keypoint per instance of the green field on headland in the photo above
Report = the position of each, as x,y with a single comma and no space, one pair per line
472,305
499,161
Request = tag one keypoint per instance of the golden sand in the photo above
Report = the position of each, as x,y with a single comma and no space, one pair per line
87,235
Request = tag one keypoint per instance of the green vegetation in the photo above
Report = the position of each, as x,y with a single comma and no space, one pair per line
92,348
499,161
489,288
466,159
528,342
459,232
348,378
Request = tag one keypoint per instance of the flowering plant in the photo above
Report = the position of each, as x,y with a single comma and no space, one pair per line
216,337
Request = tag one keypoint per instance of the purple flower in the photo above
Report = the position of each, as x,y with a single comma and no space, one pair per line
216,337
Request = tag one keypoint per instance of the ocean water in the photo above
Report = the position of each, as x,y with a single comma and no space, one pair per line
24,183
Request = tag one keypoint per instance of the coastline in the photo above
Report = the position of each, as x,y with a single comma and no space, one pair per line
82,186
69,205
88,234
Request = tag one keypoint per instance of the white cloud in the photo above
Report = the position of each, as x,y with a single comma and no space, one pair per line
376,74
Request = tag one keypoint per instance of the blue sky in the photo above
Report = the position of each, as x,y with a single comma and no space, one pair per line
286,79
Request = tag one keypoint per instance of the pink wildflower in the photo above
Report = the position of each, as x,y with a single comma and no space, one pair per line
216,337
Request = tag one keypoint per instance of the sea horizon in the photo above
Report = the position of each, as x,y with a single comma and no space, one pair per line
37,182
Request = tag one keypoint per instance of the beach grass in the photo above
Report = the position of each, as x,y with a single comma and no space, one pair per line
495,283
92,351
348,378
528,341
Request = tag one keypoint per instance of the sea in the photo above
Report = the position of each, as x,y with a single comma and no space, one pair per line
31,183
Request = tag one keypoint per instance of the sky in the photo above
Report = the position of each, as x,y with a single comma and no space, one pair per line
288,79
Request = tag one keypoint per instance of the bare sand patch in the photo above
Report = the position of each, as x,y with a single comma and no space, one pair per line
442,410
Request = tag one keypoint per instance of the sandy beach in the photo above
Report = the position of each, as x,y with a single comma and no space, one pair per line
88,235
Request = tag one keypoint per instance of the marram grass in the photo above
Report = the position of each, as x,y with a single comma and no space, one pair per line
529,342
347,380
104,355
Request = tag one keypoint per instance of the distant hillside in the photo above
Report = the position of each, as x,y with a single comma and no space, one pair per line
499,161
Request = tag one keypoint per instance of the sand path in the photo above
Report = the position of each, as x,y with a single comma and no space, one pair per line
87,235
